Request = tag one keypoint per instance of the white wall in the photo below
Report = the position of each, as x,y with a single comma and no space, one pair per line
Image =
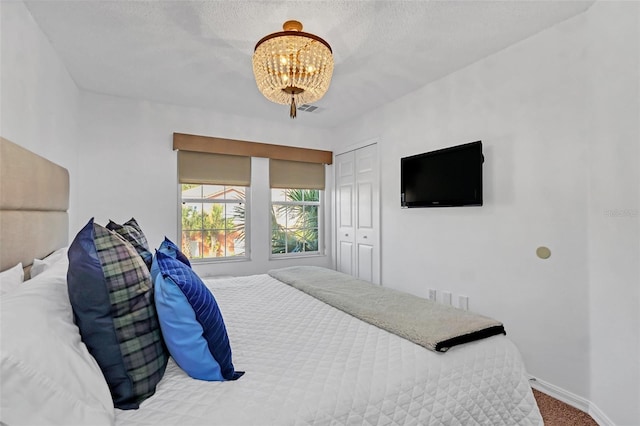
39,100
522,103
128,168
614,210
546,110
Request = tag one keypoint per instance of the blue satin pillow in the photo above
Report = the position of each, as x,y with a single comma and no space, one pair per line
191,322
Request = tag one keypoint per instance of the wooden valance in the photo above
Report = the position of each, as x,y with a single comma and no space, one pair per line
186,142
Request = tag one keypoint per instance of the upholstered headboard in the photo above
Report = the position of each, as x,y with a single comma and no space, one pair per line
34,198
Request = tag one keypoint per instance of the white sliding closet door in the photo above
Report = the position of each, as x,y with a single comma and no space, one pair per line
358,214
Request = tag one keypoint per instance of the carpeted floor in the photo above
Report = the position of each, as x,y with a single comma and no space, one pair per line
557,413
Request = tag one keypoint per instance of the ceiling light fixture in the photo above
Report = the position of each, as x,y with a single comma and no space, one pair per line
292,66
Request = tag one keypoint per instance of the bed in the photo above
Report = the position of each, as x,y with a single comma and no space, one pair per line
304,361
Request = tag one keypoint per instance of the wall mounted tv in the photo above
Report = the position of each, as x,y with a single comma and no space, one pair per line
448,177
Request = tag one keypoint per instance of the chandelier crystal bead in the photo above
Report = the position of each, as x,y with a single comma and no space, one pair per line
292,67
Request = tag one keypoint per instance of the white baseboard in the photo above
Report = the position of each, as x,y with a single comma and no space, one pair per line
600,417
572,399
558,393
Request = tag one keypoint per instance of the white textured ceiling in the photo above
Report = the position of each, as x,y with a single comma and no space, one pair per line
198,53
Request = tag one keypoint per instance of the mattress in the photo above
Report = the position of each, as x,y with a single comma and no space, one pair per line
309,363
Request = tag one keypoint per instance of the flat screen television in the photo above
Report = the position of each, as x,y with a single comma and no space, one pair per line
448,177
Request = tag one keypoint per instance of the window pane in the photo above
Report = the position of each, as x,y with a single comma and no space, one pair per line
278,195
278,241
234,213
297,216
237,245
237,219
191,216
295,194
235,193
227,222
310,216
192,244
213,216
312,195
214,243
280,215
191,191
212,192
293,242
310,240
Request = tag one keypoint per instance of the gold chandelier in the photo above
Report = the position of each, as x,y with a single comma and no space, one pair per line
292,67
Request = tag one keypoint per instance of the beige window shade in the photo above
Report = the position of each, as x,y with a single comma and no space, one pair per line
213,169
296,174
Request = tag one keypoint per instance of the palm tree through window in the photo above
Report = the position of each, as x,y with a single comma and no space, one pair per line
213,221
295,221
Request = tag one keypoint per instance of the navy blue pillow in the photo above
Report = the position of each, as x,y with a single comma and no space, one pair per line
175,274
170,249
111,294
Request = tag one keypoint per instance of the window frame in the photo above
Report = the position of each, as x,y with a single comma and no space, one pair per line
247,223
321,230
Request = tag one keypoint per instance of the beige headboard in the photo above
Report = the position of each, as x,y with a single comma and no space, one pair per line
34,199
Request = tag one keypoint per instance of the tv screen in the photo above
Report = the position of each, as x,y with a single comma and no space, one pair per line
447,177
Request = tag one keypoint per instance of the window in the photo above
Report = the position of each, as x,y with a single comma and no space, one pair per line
214,177
213,221
295,221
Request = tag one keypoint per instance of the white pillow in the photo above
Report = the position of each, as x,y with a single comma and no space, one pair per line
48,375
39,266
11,279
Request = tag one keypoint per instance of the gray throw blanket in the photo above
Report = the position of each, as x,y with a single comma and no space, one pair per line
432,325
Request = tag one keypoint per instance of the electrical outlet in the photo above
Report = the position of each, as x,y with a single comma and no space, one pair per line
463,302
432,294
446,297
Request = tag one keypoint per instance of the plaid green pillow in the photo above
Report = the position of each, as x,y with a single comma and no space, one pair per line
112,298
131,231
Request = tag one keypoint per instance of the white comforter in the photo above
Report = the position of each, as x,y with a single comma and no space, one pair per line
308,363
